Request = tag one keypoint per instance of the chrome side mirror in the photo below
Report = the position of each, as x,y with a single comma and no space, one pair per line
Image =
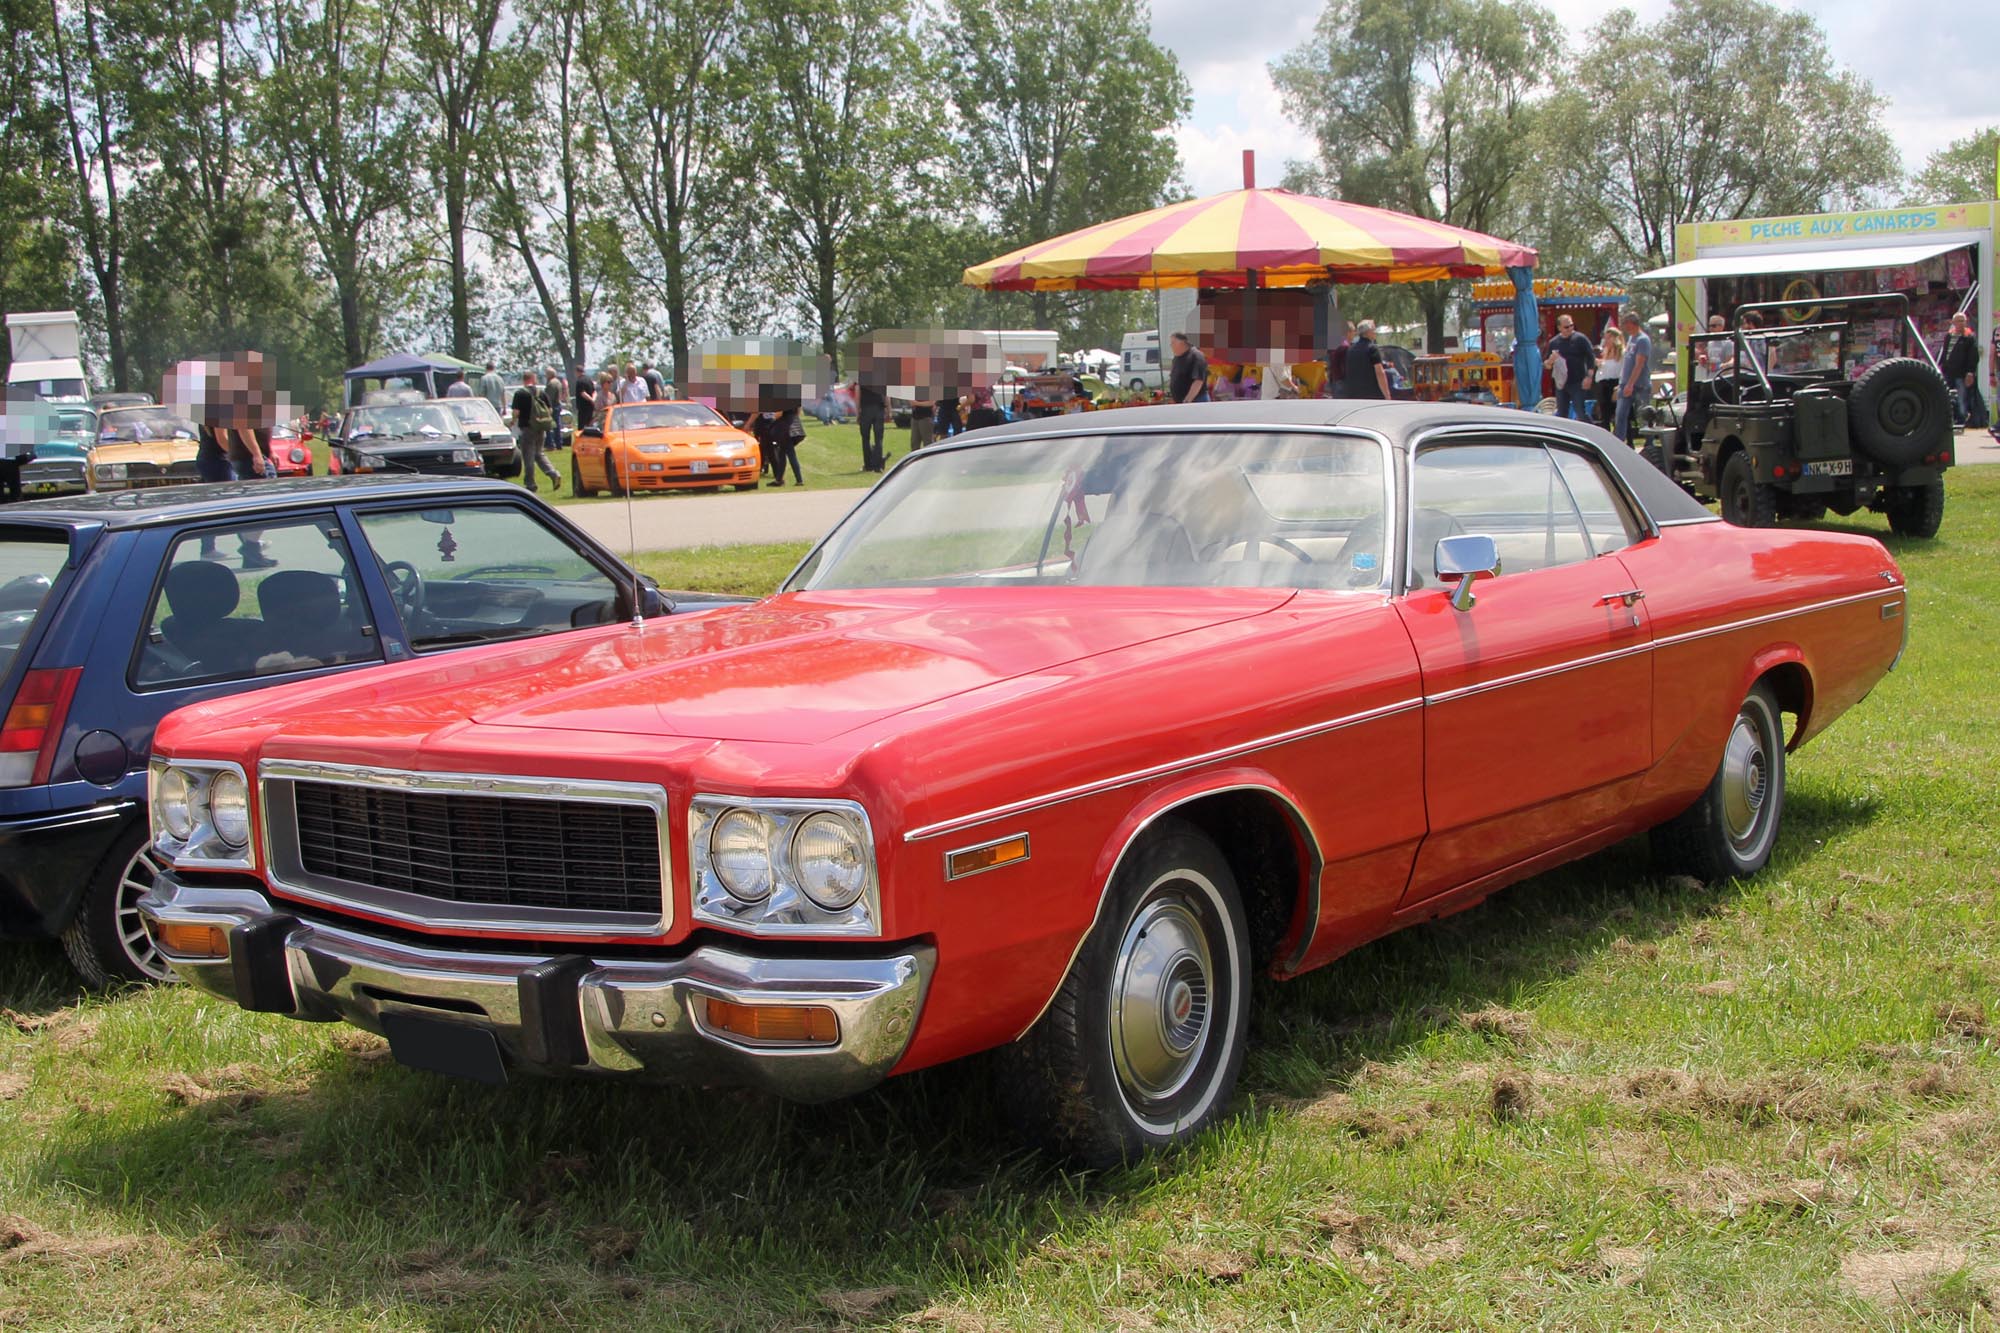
1465,558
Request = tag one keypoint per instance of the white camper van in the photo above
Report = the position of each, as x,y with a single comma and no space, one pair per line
45,348
1139,357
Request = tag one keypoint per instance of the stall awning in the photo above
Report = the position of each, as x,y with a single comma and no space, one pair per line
1832,259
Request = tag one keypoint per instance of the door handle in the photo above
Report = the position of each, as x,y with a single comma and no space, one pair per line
1630,597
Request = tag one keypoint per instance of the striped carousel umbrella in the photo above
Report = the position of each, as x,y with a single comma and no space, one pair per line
1251,238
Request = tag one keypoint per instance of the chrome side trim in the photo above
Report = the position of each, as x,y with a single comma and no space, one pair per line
278,844
1575,664
1167,769
1686,522
1315,868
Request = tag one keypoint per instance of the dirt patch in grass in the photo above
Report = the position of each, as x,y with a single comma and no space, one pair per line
232,1088
1889,1276
861,1303
1493,1021
1512,1097
12,1085
23,1241
1967,1021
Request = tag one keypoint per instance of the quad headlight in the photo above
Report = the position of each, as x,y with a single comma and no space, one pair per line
200,812
784,867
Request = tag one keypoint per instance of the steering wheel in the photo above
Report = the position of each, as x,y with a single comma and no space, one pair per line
1255,543
407,585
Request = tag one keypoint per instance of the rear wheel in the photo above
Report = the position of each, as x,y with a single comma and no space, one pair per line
576,486
1730,831
613,483
1915,511
1747,502
1142,1044
108,942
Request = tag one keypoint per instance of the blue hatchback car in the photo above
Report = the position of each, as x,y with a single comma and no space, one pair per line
117,609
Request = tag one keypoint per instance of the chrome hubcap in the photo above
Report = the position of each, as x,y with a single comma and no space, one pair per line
1745,781
1161,993
134,936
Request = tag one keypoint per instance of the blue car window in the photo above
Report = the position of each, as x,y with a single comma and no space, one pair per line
252,601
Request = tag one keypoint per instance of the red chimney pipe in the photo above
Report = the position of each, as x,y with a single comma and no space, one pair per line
1249,168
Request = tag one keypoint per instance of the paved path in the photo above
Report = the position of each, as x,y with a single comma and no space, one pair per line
670,522
1977,446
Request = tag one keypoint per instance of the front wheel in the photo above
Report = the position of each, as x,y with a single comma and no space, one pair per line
1143,1042
1729,832
1916,511
108,942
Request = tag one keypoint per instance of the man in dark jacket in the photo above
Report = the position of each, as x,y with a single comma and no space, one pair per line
1336,364
1579,361
1960,364
1188,379
1365,376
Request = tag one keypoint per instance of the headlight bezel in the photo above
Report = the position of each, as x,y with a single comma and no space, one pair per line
786,910
205,846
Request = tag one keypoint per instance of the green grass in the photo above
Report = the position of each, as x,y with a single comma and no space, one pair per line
1602,1100
752,570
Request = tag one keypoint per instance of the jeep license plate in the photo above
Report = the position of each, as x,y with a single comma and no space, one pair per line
1833,467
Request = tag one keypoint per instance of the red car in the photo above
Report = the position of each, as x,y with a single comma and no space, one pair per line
1061,736
291,449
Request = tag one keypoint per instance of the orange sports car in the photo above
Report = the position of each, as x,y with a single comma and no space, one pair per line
662,446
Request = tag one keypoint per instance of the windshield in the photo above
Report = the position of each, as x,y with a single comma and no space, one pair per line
126,425
411,421
30,559
475,412
75,424
651,416
1203,509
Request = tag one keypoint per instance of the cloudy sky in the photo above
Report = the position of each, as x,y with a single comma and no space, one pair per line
1924,58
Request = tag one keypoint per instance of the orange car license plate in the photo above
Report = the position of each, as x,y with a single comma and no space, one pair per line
698,465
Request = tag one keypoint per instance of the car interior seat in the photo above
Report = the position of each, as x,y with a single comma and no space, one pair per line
1130,548
201,594
304,618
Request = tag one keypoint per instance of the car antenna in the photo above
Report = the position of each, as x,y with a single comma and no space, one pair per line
631,540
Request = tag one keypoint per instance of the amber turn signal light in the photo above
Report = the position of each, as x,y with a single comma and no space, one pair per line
992,856
776,1024
193,941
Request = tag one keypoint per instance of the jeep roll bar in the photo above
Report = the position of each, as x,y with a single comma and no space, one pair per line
1906,331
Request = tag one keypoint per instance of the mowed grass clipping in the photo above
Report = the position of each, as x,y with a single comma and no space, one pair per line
1601,1101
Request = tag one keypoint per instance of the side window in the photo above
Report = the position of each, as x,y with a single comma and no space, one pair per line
482,572
244,602
1606,517
1509,492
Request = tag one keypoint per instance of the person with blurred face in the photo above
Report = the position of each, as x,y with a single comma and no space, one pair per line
633,390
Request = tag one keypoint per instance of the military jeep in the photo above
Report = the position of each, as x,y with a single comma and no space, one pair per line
1779,430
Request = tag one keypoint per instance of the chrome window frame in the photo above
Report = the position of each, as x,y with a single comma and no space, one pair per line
1392,517
1506,433
277,842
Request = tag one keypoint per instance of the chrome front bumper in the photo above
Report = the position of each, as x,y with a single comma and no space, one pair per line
562,1013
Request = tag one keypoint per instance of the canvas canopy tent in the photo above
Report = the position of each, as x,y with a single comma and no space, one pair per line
429,373
1252,238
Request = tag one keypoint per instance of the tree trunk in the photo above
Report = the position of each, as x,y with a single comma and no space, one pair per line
824,304
461,311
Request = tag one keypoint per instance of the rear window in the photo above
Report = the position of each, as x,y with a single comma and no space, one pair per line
30,559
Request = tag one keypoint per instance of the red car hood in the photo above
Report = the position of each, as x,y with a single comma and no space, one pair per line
804,668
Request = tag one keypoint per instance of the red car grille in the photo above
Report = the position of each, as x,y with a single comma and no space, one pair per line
497,851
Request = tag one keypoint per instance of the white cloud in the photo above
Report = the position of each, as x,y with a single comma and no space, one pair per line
1926,62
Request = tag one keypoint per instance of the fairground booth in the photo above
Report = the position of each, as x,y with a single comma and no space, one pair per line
1943,258
1265,263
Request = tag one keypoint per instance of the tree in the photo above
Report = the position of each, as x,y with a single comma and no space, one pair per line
335,121
38,257
845,117
1961,172
1423,106
93,95
1721,109
1066,129
669,95
451,63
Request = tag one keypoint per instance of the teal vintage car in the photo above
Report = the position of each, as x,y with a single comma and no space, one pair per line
63,434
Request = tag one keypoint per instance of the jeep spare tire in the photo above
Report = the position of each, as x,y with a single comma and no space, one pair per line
1898,411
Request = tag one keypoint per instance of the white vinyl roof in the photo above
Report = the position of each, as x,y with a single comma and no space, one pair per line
1829,259
32,372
